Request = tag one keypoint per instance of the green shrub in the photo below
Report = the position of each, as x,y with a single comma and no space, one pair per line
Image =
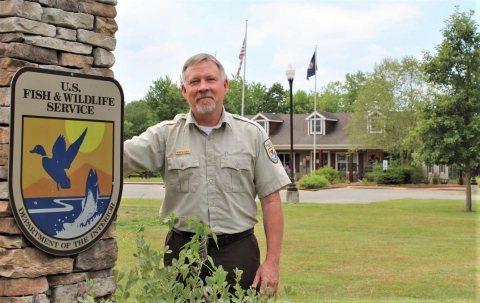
313,181
435,179
397,174
418,175
328,172
342,176
370,177
393,175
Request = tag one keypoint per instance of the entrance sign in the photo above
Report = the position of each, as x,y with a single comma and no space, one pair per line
66,153
385,164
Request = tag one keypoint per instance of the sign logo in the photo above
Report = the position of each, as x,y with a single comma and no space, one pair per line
66,151
272,154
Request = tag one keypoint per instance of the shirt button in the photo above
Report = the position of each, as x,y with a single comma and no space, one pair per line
237,165
211,181
182,165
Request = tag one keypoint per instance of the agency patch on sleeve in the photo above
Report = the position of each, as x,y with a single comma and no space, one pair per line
272,154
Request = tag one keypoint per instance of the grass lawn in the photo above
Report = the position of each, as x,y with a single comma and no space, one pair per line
398,251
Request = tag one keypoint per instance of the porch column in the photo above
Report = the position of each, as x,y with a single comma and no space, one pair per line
320,159
350,166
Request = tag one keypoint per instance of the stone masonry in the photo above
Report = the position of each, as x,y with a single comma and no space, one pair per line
68,35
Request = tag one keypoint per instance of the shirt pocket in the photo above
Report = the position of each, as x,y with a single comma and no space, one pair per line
184,173
235,173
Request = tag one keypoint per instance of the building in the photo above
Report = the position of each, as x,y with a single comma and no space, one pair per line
330,145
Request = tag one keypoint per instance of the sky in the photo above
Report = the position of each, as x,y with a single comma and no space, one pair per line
156,37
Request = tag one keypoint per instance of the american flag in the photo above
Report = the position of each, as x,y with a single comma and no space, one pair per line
242,54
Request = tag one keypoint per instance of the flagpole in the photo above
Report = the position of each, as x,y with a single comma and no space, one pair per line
315,113
244,68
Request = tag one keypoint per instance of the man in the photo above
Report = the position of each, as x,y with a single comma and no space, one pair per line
214,164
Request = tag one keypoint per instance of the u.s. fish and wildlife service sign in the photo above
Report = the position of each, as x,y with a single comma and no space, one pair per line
66,151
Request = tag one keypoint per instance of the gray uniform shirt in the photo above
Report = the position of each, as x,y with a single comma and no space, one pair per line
216,176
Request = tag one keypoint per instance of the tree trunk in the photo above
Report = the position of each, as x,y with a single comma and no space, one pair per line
468,176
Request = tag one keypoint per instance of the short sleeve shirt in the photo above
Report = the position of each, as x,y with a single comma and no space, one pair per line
217,176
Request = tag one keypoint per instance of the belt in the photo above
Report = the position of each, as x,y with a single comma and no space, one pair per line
222,240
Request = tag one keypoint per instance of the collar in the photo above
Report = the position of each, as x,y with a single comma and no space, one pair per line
225,118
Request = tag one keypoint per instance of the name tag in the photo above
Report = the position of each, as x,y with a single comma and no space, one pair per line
182,152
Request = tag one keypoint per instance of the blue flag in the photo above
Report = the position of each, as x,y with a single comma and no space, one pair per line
311,71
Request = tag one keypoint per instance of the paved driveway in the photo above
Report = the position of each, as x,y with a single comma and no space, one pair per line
353,195
349,195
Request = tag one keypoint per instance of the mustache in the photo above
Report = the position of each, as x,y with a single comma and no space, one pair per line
200,96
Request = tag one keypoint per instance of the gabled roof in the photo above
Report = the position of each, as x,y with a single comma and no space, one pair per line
323,116
267,116
335,136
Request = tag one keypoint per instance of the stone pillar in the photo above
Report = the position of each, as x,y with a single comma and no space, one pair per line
68,35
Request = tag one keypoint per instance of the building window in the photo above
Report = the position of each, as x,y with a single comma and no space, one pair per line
342,162
430,169
285,158
263,124
442,168
375,124
315,126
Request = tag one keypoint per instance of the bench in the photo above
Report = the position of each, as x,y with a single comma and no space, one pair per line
444,180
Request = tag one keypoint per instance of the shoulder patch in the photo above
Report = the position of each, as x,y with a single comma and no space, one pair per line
272,154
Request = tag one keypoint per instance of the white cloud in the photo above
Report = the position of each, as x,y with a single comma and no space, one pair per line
156,37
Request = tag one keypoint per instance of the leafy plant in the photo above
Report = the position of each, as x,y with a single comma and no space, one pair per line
397,174
313,181
328,172
89,296
342,176
181,281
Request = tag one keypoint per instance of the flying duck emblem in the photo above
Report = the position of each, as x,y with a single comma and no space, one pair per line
61,159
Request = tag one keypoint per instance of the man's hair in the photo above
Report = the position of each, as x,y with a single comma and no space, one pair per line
201,58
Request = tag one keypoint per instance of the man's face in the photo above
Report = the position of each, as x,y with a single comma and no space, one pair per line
204,88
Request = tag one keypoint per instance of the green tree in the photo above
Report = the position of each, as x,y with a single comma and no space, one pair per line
274,100
137,118
254,94
165,99
253,98
450,126
233,100
353,83
302,102
330,97
384,111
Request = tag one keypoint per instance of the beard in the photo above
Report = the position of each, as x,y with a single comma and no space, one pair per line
205,108
208,109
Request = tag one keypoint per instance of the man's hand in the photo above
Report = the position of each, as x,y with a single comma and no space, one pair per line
268,276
